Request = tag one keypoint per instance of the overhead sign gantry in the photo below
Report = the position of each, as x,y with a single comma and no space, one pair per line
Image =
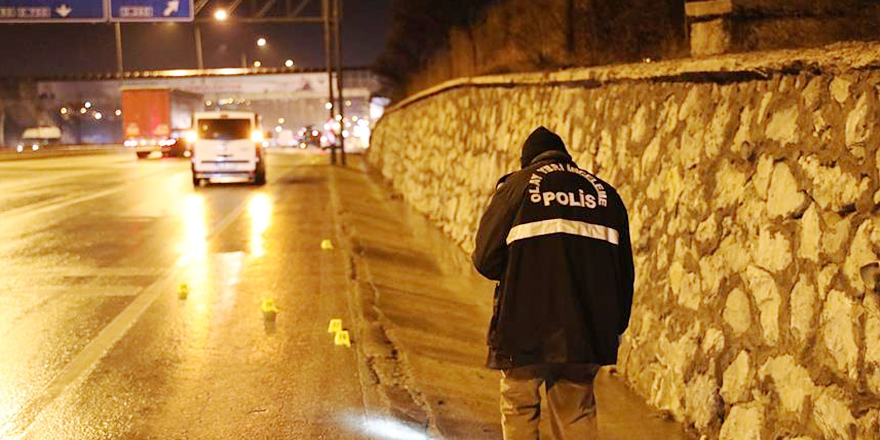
94,11
53,11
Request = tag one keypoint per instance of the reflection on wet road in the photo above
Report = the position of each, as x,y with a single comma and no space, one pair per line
96,343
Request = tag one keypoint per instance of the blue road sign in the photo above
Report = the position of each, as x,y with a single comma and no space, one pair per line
151,10
52,11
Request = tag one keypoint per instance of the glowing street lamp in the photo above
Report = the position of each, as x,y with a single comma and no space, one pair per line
63,110
257,63
221,15
98,115
288,63
261,42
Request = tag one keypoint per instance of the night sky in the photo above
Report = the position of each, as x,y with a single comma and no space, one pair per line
61,49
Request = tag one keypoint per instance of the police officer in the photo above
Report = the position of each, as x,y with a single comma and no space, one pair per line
556,239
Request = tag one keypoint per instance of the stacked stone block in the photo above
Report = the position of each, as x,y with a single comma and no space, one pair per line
753,202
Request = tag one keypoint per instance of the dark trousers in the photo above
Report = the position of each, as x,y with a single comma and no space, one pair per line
570,401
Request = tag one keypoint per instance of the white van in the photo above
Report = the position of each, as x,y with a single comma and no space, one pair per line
227,146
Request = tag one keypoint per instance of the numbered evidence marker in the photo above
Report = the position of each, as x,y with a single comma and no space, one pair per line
269,310
182,291
326,244
342,338
335,326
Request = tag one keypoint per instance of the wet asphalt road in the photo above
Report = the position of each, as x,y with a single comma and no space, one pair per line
94,342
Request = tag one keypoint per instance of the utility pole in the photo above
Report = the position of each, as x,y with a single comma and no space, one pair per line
118,47
339,69
200,63
329,61
2,123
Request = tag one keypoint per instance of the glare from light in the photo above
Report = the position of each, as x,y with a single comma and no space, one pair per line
288,63
87,104
261,42
118,112
208,103
354,118
328,105
180,72
260,213
257,136
35,147
278,129
194,242
83,111
315,132
393,430
348,103
221,15
99,115
361,132
257,63
338,117
191,136
281,120
63,110
20,148
345,133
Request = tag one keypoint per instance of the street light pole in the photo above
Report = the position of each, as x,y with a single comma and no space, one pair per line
118,47
329,61
199,60
339,69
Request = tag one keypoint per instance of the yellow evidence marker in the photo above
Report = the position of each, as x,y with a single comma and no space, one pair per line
335,326
182,291
269,309
326,244
342,338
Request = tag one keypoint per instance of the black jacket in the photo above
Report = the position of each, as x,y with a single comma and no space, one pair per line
556,238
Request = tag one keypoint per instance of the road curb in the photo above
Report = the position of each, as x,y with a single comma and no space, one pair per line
388,388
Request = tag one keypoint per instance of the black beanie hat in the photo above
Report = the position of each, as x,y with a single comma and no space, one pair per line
540,141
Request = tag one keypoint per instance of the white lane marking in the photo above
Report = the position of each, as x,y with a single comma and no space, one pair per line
55,204
13,272
81,292
77,370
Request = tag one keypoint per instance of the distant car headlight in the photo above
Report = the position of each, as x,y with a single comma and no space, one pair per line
192,136
19,148
35,147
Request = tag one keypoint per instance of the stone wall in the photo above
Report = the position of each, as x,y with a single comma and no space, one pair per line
753,190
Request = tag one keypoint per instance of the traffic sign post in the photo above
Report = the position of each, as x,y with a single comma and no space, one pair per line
151,10
53,11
